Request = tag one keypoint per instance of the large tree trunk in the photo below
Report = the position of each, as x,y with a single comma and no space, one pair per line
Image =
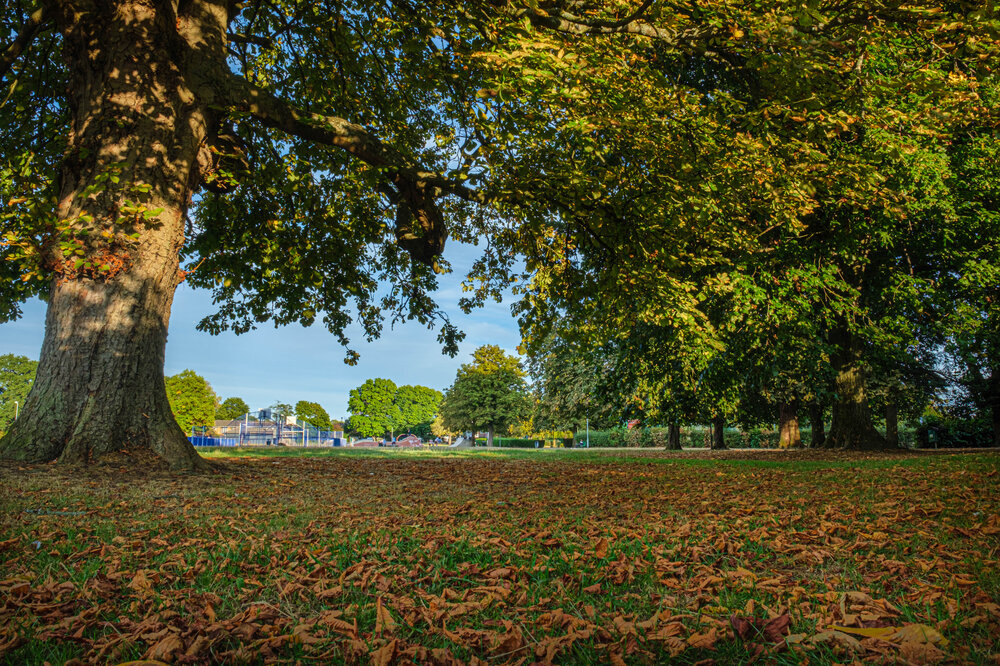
674,437
718,432
789,435
137,130
851,427
489,437
816,425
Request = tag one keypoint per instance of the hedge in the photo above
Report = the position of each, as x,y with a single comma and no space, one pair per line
946,433
697,437
520,443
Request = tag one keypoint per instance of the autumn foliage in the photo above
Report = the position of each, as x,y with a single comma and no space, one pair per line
567,557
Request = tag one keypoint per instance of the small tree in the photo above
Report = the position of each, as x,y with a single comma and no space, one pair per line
438,429
313,414
232,408
488,394
280,411
192,399
16,376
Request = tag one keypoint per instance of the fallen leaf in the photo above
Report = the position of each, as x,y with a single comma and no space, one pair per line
704,640
837,638
384,655
383,619
166,648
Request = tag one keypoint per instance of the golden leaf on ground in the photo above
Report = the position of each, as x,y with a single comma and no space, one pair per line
867,632
918,633
601,548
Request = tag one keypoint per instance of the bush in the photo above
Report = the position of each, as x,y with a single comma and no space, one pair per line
598,438
510,442
696,437
604,438
755,438
942,432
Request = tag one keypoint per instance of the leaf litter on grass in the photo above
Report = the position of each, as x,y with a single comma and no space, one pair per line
496,560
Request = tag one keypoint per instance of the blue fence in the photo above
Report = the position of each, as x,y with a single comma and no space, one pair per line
214,441
265,433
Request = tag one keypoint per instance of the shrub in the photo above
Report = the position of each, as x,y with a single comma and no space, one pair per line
511,442
598,438
604,438
755,438
943,432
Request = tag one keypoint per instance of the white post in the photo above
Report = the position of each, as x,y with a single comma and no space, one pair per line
17,409
588,432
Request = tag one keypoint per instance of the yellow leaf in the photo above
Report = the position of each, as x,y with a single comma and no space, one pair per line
918,633
870,632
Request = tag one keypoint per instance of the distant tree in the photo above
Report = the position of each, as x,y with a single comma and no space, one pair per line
192,399
17,373
232,408
488,394
313,414
418,405
438,428
374,411
281,411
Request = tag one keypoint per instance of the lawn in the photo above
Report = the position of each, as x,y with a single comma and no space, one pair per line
500,557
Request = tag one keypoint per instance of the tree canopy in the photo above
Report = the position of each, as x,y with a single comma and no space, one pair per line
313,414
232,408
418,406
16,376
308,163
192,399
488,394
373,408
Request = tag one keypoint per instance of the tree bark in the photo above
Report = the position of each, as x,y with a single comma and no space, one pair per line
817,426
789,435
851,427
718,432
489,437
674,437
892,424
137,129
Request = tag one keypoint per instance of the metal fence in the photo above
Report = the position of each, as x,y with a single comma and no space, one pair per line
266,433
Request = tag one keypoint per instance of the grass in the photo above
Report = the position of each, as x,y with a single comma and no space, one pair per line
417,556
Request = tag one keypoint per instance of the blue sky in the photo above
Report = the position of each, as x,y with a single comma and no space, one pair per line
293,363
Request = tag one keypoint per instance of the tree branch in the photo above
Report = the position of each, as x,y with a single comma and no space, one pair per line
21,42
695,37
340,133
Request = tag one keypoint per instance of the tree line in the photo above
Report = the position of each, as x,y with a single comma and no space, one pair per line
716,205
